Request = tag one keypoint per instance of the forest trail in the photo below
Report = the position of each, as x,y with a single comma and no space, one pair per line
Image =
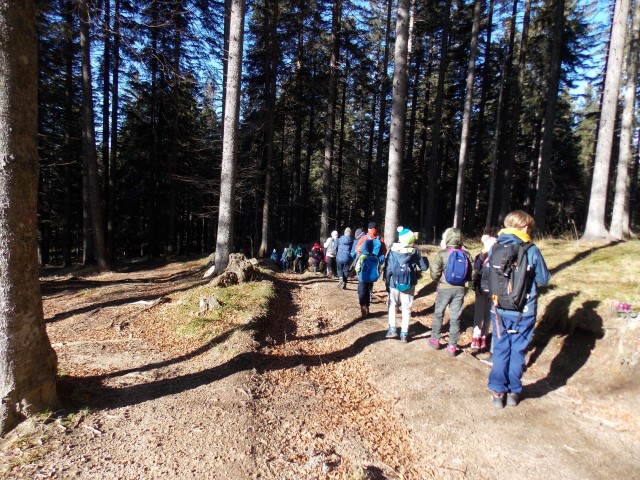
311,391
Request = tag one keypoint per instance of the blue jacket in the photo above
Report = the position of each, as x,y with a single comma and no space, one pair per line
542,276
344,249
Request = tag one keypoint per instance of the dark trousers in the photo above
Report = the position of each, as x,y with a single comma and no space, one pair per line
343,271
364,293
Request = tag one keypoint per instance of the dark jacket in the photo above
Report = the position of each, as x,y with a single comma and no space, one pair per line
344,249
542,276
405,254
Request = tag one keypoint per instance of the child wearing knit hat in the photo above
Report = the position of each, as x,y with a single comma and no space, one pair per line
401,277
449,295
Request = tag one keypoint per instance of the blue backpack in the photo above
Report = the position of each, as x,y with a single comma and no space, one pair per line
455,272
401,273
369,271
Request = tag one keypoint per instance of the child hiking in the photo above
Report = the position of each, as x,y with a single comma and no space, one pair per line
401,277
343,257
514,303
481,306
368,270
331,250
451,268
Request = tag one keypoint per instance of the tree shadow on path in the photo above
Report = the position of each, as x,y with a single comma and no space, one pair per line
277,328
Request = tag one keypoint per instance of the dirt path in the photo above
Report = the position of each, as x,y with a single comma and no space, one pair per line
313,392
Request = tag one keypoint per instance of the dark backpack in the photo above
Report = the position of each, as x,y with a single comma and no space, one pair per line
369,269
457,268
507,277
401,272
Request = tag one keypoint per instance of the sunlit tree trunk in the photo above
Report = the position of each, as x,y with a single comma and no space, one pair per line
27,361
434,161
595,228
466,119
224,238
620,217
398,117
330,121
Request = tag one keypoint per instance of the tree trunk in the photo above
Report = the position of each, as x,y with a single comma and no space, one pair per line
27,361
434,161
382,115
68,122
620,217
516,108
106,27
466,119
595,228
544,162
343,116
398,117
330,125
271,18
478,153
224,239
505,75
113,158
88,140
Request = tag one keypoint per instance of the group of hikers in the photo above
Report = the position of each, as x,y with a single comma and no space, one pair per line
505,277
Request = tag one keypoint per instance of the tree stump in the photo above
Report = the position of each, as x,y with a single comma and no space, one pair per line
239,270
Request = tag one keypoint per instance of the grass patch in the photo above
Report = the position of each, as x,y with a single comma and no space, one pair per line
204,311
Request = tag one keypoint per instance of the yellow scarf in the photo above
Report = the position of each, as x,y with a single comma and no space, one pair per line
525,237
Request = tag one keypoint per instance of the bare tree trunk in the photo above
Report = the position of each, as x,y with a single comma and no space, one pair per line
88,140
384,89
271,18
343,102
434,161
516,108
544,162
478,153
106,27
466,119
68,121
27,361
595,228
113,159
226,210
330,125
505,74
620,217
398,117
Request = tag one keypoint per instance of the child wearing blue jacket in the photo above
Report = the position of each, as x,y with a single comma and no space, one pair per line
512,329
403,253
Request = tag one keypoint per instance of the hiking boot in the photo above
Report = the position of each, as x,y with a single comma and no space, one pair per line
488,360
392,333
513,399
340,284
452,350
497,399
404,337
483,343
475,344
435,344
364,311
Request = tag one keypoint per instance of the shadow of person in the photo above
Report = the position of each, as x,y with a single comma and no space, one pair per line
556,316
585,329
